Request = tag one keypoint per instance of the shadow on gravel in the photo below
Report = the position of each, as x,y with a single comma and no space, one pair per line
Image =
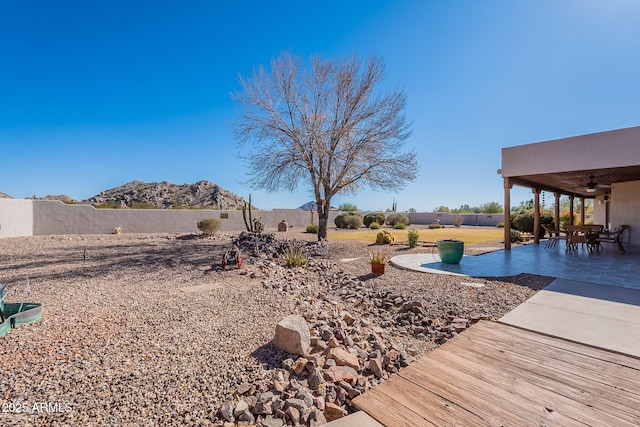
270,356
366,277
531,281
94,260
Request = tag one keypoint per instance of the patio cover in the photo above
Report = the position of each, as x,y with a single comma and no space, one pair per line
564,166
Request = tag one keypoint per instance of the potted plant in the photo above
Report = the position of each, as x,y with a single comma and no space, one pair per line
378,261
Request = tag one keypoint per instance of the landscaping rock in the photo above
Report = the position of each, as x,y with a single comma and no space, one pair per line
292,335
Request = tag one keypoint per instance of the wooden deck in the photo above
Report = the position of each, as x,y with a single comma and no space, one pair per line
498,375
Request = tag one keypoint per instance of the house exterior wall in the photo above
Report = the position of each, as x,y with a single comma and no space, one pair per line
624,208
16,218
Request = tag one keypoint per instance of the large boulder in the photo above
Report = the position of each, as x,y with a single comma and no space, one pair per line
292,335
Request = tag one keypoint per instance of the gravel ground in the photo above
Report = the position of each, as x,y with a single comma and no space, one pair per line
121,342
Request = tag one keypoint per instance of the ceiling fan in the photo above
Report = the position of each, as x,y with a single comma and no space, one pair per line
592,186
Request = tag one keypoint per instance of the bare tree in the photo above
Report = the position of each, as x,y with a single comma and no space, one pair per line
323,125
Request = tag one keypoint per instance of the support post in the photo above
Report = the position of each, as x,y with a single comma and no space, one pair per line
507,213
536,216
556,216
571,211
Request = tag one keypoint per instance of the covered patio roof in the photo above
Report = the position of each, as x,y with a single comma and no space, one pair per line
570,166
566,165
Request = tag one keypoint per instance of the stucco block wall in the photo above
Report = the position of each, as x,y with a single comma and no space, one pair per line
483,220
16,218
624,209
55,217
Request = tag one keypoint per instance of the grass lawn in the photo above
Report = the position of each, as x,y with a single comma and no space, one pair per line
467,235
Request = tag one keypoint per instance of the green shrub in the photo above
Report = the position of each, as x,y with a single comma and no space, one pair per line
434,226
346,220
312,228
384,237
500,225
516,236
209,227
372,217
354,221
142,205
524,221
413,236
348,207
294,257
399,226
396,218
374,226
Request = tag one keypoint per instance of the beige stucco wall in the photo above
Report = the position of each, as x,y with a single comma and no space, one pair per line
55,217
16,218
624,209
617,148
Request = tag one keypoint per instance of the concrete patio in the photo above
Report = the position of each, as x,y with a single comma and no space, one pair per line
605,267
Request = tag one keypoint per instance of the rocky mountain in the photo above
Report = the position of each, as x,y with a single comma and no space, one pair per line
164,195
62,197
5,196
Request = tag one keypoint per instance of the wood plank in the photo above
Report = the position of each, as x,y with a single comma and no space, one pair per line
495,374
429,405
439,381
594,370
610,374
523,404
548,391
389,412
594,378
594,352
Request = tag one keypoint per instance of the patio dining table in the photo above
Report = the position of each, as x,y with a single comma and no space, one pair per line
583,235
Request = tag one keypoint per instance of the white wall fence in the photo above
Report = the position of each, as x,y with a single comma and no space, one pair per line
50,217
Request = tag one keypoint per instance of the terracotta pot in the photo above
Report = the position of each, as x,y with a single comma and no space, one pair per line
377,268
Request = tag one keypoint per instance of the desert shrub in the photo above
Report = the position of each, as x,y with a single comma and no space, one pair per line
344,220
500,225
348,207
354,221
384,237
142,205
434,226
372,217
524,222
399,226
565,218
209,227
294,257
516,236
374,226
412,237
312,228
395,218
457,221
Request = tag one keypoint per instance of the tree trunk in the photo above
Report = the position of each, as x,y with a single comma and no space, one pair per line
323,218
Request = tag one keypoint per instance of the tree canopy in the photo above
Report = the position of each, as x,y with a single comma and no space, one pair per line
324,125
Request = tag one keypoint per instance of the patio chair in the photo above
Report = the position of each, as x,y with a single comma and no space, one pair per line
614,236
582,235
554,235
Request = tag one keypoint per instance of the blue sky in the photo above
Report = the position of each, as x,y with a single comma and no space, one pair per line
97,94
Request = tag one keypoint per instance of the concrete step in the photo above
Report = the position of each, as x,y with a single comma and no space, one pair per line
357,419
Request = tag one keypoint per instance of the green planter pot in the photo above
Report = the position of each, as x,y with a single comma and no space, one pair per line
450,251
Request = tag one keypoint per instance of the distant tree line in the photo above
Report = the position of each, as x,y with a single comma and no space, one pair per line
485,208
